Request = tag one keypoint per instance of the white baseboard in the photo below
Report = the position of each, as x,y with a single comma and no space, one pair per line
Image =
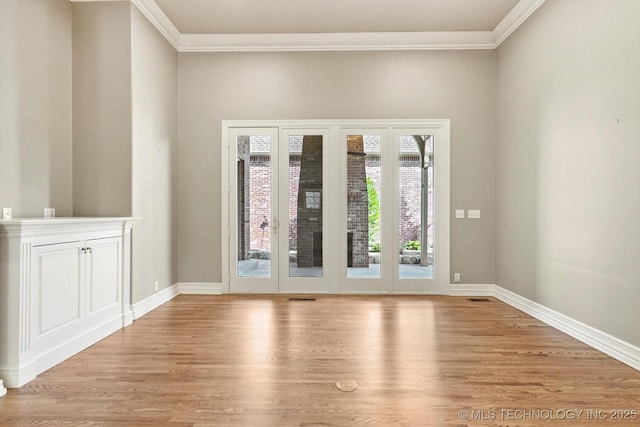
471,290
154,301
609,345
159,298
200,288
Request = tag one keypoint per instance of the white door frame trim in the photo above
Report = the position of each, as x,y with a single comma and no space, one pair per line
439,126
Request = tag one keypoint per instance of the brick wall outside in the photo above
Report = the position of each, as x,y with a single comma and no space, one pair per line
410,188
309,215
260,197
244,199
294,177
357,202
260,173
409,200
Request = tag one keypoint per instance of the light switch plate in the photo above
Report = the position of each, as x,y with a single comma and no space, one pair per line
459,213
474,213
6,213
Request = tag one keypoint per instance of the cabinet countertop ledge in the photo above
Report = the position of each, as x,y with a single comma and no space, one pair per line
66,220
35,226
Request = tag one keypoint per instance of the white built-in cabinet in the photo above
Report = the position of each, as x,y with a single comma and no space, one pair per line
64,285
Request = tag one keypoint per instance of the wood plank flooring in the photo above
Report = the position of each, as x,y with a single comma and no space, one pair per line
267,361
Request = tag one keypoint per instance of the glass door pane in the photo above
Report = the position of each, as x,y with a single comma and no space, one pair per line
416,206
254,206
254,210
364,240
305,206
304,211
363,204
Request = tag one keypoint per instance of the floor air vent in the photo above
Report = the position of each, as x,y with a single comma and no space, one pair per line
302,299
478,299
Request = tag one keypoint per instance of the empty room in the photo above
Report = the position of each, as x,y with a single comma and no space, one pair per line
319,213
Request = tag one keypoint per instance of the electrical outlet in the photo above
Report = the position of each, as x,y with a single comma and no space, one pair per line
456,277
155,286
6,213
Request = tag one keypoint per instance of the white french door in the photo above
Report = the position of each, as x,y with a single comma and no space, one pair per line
253,210
336,207
304,210
365,262
279,215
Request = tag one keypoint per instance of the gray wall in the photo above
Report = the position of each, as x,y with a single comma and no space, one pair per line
458,85
102,109
154,76
125,80
88,122
35,107
567,162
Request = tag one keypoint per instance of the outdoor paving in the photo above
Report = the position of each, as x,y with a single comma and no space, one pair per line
262,268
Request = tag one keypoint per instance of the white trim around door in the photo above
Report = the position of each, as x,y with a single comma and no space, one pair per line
335,278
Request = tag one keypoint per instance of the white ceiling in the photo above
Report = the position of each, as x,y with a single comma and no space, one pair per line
333,16
308,25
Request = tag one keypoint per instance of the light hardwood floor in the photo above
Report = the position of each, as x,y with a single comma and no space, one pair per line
268,361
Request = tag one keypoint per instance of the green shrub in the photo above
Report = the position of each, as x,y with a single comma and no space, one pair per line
412,245
374,210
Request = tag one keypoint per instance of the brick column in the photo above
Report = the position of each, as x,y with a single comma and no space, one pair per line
310,202
357,202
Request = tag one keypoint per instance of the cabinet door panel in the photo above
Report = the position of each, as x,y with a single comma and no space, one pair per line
57,286
104,273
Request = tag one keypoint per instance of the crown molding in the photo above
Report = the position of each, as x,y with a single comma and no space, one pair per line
335,41
445,40
514,19
156,16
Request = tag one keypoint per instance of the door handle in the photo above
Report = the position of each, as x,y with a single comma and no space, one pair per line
274,224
